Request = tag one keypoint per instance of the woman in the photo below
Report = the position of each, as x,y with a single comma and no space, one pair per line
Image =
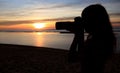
100,41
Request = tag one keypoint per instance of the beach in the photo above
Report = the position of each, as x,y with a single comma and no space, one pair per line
29,59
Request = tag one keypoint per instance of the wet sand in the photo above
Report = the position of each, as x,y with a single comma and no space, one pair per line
29,59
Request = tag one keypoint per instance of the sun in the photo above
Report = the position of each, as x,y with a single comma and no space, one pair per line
39,25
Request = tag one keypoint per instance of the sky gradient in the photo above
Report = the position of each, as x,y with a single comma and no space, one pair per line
22,14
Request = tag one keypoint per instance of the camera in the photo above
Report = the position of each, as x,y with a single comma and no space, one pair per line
70,26
64,25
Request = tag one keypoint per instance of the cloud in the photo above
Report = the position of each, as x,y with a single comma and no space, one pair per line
53,6
59,19
6,23
114,14
15,22
116,22
45,20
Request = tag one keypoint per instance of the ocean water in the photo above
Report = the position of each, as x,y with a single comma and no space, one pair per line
39,39
43,39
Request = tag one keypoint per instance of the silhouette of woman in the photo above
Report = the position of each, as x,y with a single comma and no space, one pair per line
100,41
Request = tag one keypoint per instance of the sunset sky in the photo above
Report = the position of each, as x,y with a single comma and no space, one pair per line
25,14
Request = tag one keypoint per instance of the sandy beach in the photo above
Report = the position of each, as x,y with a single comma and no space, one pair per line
29,59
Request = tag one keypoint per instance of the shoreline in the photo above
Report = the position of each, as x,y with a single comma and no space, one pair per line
28,46
30,59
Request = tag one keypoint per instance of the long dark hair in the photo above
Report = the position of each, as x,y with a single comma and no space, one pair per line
97,23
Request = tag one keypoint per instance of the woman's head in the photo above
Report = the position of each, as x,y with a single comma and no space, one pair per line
96,19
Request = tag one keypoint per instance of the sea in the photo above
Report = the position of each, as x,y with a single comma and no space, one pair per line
38,39
43,39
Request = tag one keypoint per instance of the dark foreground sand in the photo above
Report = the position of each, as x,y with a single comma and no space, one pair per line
28,59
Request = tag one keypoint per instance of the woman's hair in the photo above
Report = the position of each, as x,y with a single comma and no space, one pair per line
96,21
